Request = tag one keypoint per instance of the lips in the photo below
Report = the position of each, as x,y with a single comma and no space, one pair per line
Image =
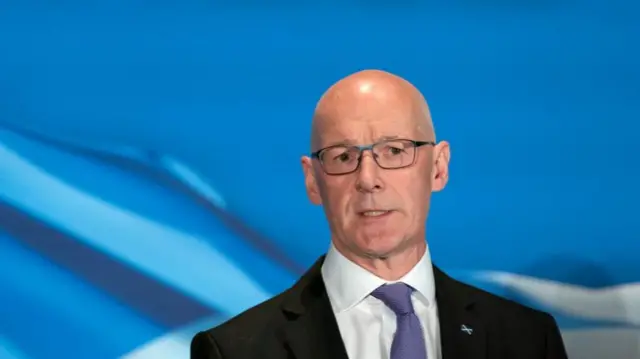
374,213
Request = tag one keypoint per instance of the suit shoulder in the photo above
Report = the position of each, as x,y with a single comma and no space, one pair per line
248,323
503,307
520,328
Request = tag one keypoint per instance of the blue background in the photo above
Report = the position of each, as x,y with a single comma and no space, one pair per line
150,183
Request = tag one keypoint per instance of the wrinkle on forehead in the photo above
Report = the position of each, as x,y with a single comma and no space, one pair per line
367,94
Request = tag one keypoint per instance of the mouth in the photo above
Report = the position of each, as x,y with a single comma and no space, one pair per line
374,213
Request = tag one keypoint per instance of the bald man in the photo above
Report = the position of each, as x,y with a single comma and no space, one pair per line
373,165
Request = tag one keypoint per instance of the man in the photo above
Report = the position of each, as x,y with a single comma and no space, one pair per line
376,295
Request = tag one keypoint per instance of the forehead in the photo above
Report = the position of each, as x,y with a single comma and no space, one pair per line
360,125
366,131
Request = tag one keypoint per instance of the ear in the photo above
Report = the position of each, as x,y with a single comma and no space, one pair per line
310,182
440,172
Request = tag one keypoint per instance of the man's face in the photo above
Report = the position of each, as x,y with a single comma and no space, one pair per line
375,211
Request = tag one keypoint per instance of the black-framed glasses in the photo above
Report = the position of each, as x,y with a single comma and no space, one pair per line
388,154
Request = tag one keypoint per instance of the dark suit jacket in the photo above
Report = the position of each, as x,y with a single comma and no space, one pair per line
299,323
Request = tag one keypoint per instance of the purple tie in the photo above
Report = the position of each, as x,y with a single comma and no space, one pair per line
408,341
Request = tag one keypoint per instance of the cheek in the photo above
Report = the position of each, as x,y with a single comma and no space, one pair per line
340,203
336,203
416,197
336,194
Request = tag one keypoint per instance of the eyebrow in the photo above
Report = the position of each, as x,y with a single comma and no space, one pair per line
351,142
385,138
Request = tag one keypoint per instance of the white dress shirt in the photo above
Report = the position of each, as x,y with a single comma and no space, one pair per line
366,324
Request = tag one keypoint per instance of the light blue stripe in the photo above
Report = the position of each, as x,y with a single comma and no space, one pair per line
192,180
135,190
9,351
174,344
39,299
182,260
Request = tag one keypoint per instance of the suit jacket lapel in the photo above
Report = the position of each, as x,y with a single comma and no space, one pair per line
463,335
311,331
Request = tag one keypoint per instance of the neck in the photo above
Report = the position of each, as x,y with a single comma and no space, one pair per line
392,266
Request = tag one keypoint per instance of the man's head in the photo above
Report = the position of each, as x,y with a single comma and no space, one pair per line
376,203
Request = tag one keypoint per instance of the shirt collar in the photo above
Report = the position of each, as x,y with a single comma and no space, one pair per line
348,284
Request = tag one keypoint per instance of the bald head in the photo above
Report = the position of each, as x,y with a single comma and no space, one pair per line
371,95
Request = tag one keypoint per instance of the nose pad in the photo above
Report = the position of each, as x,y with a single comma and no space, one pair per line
366,162
371,155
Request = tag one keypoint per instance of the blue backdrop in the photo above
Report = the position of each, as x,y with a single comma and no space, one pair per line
150,183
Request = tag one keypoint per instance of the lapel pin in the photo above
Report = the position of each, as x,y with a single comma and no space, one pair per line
466,329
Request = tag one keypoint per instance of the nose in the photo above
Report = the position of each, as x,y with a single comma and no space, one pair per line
368,179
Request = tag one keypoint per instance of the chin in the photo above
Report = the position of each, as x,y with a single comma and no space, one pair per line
380,247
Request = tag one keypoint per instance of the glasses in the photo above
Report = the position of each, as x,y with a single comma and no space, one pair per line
388,154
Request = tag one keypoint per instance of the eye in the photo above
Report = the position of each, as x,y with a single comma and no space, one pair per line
392,150
343,157
340,154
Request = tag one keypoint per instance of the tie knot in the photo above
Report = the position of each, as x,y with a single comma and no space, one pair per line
396,296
